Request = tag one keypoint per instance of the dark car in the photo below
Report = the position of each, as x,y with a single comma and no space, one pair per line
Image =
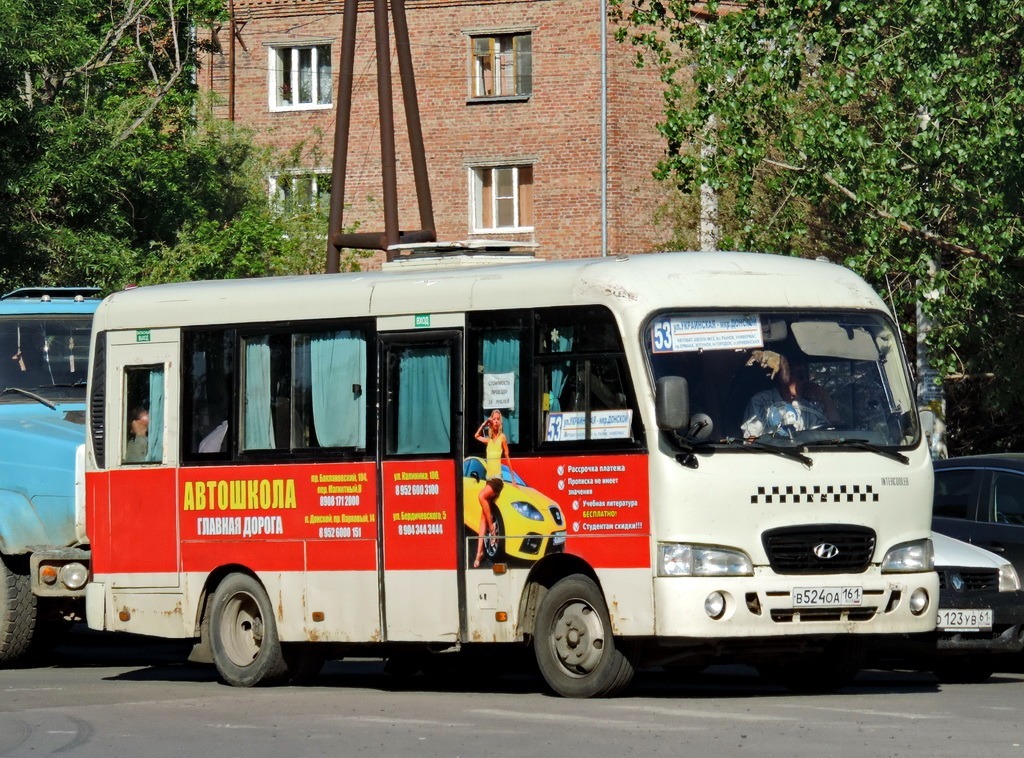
980,499
980,616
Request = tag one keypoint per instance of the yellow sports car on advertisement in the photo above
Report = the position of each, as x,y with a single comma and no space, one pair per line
527,523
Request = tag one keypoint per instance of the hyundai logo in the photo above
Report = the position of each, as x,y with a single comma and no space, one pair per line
826,551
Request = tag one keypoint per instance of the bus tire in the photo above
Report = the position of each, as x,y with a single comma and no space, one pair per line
17,612
243,634
576,652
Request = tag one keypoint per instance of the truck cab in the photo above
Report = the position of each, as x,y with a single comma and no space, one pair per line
44,552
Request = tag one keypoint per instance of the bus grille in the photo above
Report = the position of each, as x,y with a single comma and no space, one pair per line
789,615
819,549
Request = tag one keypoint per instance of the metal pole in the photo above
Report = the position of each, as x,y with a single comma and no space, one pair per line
412,116
604,127
341,132
386,108
231,62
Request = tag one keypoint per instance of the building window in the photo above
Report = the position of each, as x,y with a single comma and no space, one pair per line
300,191
300,77
502,66
502,198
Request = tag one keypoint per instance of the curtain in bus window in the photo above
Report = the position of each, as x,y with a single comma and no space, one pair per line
155,452
424,401
560,343
339,404
501,356
259,423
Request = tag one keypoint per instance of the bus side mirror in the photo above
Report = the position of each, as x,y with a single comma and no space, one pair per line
672,403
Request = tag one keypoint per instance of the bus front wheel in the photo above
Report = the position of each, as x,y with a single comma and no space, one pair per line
576,652
244,641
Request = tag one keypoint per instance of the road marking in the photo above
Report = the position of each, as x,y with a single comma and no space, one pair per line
689,713
866,712
599,722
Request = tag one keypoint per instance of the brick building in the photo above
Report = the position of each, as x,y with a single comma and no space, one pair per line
510,103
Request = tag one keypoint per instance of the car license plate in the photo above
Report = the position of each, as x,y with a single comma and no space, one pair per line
964,620
826,597
558,538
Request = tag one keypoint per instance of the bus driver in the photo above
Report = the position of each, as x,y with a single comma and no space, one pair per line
792,404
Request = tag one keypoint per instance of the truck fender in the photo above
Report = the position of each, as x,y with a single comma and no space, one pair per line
20,526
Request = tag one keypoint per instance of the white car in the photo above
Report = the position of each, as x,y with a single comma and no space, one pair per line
980,615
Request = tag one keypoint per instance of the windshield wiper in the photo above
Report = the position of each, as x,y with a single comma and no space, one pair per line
32,395
860,444
756,444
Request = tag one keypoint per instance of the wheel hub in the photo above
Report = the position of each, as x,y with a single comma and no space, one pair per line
579,638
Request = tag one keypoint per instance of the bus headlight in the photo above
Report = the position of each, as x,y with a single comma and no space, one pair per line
700,560
909,557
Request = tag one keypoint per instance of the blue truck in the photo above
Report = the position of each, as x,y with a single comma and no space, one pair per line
44,552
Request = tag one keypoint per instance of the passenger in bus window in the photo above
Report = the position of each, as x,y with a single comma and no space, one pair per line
497,445
138,435
215,441
792,404
487,531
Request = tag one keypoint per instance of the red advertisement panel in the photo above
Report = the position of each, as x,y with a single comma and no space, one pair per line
325,501
132,521
596,507
419,515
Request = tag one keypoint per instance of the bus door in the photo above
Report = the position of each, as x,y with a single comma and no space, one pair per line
140,528
421,433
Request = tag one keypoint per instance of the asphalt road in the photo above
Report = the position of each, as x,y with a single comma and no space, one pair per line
115,695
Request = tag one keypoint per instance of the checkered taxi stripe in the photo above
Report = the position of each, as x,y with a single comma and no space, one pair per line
819,493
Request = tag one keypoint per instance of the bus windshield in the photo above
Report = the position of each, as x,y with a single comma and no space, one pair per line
45,356
787,378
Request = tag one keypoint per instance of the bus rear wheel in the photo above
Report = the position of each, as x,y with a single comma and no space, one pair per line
576,652
17,612
243,634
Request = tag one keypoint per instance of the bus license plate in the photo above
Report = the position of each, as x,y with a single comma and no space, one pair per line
964,620
826,597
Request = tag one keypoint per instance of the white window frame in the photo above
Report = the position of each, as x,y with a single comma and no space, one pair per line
276,74
319,177
476,199
502,53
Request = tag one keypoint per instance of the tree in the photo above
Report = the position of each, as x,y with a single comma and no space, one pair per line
885,136
112,172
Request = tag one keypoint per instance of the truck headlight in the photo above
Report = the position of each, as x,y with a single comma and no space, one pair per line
701,560
74,575
909,557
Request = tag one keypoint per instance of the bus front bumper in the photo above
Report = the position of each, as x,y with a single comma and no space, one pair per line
769,605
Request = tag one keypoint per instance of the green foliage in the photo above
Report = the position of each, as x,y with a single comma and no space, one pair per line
113,171
885,136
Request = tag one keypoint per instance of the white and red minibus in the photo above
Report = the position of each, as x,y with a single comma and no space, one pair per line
596,458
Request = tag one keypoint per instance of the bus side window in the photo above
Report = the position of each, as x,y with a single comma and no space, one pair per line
329,377
143,414
266,392
209,372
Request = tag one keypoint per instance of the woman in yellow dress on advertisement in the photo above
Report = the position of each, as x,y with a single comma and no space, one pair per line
497,445
497,451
